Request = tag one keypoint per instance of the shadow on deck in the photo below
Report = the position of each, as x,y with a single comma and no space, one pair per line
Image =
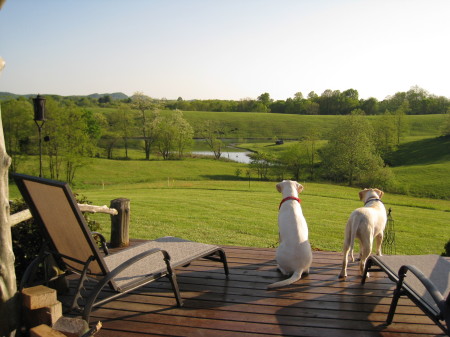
318,305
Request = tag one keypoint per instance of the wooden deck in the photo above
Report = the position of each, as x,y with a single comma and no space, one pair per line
318,305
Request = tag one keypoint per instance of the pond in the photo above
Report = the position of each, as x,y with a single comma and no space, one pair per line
240,157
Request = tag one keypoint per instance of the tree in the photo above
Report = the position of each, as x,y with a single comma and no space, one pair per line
400,122
125,124
184,135
56,131
261,163
310,142
174,135
311,108
165,140
370,106
313,96
69,143
265,100
110,136
350,150
9,297
211,132
446,125
349,100
295,159
416,96
106,99
148,109
78,145
18,121
385,135
298,96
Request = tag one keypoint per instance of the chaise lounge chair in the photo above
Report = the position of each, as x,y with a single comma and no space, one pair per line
69,239
425,279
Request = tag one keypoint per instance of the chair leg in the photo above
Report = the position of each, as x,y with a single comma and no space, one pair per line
223,258
80,286
369,264
173,279
395,298
175,288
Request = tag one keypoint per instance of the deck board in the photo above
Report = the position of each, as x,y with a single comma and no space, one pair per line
318,305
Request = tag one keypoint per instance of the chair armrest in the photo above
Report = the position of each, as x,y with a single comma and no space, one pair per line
102,242
430,287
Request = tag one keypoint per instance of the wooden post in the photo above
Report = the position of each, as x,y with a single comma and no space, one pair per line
120,223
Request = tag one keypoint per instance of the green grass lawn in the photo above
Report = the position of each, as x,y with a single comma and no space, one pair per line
202,199
232,213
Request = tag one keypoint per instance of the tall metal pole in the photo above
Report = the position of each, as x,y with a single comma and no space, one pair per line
40,146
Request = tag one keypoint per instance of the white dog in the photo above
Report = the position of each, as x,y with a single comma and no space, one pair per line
365,223
294,255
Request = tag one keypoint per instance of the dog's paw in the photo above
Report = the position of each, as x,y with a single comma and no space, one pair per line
343,276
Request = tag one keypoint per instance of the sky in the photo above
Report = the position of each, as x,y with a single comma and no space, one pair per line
225,49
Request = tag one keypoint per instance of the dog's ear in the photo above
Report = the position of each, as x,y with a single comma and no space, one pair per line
361,194
299,188
279,187
379,192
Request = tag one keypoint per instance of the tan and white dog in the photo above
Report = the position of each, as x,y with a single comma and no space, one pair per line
294,255
365,223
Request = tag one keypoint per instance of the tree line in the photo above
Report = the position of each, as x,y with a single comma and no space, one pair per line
416,101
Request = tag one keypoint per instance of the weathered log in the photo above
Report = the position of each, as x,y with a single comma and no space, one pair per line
97,209
24,215
19,217
120,223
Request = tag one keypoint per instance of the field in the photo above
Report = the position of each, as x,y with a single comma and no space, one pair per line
204,199
287,126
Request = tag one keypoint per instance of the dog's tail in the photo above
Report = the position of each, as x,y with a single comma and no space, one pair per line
295,277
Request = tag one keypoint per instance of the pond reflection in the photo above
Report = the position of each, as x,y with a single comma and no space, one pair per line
240,157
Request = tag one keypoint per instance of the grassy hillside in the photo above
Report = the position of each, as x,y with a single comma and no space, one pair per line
268,125
286,126
202,199
423,167
422,152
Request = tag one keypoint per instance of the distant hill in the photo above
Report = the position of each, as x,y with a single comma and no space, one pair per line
7,95
115,96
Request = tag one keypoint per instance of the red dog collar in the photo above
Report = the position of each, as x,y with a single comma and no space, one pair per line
289,198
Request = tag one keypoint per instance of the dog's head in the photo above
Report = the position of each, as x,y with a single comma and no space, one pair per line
287,186
368,193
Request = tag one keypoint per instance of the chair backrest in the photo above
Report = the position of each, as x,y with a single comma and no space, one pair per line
55,209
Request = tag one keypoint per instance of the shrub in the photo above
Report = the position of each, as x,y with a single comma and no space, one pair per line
27,237
447,249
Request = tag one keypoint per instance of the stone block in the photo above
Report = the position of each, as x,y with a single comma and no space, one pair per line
45,331
48,315
38,297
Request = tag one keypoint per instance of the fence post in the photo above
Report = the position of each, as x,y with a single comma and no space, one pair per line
120,223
